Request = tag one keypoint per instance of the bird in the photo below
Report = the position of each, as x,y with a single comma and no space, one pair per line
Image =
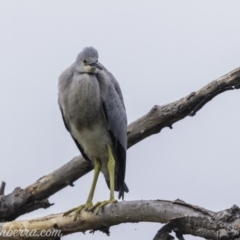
93,112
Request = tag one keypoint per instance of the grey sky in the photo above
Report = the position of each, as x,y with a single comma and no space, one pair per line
159,51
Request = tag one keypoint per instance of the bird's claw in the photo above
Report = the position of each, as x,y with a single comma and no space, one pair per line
89,207
100,205
78,209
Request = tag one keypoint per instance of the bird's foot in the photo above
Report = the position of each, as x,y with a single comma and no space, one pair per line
78,209
100,205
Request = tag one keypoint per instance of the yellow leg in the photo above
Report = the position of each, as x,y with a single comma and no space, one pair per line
111,170
97,169
87,206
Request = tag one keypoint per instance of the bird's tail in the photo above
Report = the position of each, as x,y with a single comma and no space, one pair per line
121,190
119,187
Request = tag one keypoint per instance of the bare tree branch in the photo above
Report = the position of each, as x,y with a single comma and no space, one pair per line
113,214
164,116
180,218
22,201
35,196
222,225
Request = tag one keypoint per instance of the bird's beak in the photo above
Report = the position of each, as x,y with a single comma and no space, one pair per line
96,65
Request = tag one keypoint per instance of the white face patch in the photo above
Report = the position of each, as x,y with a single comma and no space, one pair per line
90,69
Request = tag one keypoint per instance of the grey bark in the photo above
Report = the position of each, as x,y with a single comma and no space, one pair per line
33,197
180,217
163,116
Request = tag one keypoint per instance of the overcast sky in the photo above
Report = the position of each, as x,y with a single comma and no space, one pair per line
159,51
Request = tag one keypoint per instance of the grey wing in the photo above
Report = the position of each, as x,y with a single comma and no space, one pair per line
115,114
115,84
117,88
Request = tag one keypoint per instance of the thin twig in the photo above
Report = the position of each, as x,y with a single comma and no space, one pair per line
2,188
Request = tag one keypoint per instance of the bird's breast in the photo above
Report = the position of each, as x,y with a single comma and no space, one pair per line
84,104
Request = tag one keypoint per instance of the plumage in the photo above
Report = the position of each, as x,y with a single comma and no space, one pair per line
93,112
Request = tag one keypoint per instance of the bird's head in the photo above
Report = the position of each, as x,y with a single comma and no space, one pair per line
87,61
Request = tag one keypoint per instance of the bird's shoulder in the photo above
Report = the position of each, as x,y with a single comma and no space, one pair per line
67,73
110,88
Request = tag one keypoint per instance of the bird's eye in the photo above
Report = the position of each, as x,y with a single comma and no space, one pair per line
85,61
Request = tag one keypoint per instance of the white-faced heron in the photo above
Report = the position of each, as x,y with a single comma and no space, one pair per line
93,112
